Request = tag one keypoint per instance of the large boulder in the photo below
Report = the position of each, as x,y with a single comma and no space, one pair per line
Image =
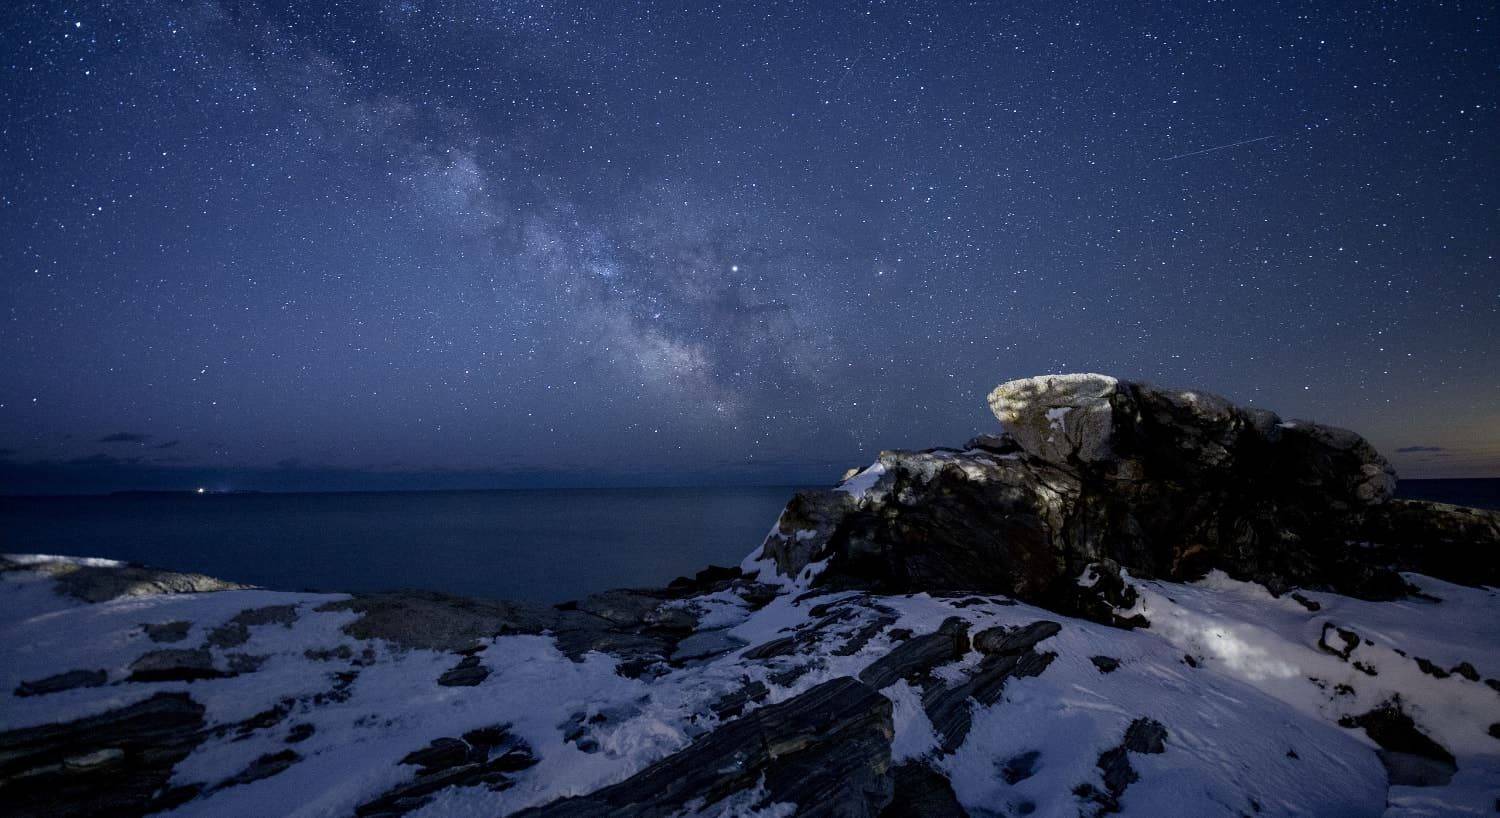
1059,418
1092,474
1128,431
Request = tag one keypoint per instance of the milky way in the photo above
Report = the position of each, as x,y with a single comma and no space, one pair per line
419,244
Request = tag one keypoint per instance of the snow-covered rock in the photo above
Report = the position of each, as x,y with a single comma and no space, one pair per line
1254,710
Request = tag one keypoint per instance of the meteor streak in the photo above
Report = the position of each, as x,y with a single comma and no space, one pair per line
1219,148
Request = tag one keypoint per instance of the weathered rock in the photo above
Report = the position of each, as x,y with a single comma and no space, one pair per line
467,673
804,528
1410,757
441,754
948,707
488,756
62,681
167,631
919,654
101,583
341,652
827,751
630,624
174,665
1163,483
781,646
623,606
1452,542
864,633
1338,641
1142,736
300,733
710,579
732,704
263,767
757,595
115,763
1003,641
1105,664
269,717
1061,418
922,792
1145,736
236,631
435,621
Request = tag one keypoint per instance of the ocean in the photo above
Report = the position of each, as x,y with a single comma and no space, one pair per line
548,546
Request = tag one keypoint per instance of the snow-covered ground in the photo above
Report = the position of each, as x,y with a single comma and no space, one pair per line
1249,687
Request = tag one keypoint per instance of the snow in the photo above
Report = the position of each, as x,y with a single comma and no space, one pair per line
1262,688
1057,416
45,559
861,483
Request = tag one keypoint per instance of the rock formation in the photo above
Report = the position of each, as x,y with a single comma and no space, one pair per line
1091,474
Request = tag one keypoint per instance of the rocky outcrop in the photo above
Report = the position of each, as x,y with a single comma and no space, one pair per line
489,757
62,681
1093,474
1410,757
922,792
917,655
643,627
948,706
103,580
1144,736
116,763
826,751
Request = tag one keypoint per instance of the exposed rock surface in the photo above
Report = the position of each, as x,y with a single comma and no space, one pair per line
167,631
922,792
1096,472
467,673
949,706
174,665
1410,756
62,681
826,751
1145,736
489,757
236,631
102,580
919,654
1004,642
117,763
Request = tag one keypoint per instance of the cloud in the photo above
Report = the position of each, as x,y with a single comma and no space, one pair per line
101,459
125,437
1416,449
167,445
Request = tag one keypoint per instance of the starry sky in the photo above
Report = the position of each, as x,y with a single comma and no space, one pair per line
294,244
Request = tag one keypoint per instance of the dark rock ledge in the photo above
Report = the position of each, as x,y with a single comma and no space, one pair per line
1094,474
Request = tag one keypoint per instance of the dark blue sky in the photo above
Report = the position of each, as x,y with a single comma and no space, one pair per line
414,244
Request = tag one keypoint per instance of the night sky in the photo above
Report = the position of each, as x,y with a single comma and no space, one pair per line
411,244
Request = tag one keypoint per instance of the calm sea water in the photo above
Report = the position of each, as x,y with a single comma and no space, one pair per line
540,545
